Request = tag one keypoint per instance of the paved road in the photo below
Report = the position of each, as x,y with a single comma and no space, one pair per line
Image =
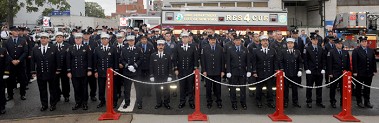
30,108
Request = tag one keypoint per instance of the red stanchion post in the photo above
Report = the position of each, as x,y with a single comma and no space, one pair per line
279,115
110,114
197,115
345,115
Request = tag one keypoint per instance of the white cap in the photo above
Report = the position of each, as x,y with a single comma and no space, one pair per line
44,34
161,42
59,34
263,37
104,35
77,35
184,34
130,37
136,29
119,35
290,40
156,29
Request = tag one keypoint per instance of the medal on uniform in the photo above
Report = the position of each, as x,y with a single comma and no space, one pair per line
109,54
171,46
84,50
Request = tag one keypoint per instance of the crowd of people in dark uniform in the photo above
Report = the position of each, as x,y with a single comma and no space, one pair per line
152,55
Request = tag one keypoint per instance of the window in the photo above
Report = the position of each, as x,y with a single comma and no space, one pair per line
227,4
260,4
193,4
177,5
243,4
210,4
357,2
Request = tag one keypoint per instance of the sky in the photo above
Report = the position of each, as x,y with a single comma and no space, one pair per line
109,6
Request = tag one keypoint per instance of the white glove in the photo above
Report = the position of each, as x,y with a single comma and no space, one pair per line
152,79
322,71
299,74
134,70
130,68
355,74
308,72
228,75
169,79
248,74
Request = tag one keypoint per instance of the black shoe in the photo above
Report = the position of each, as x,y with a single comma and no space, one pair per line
23,98
270,105
192,106
85,107
259,104
320,105
368,105
139,106
158,106
234,106
181,105
76,107
209,106
309,105
66,99
53,107
333,105
44,108
285,105
219,105
244,106
360,105
101,104
296,105
2,111
125,106
10,98
167,106
93,99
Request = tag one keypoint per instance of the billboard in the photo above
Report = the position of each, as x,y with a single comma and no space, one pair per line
224,18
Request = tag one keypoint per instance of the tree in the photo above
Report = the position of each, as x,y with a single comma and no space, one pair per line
93,9
9,8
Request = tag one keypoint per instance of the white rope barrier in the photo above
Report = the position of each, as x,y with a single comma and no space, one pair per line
304,86
225,84
153,83
364,84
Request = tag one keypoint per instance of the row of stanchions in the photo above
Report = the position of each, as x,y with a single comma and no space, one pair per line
279,115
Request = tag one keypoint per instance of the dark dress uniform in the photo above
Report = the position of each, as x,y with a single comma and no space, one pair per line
18,50
299,45
264,64
4,61
31,44
186,61
91,79
337,62
364,65
79,62
132,56
213,62
104,57
291,62
117,80
147,50
160,69
314,60
45,63
238,64
62,76
328,46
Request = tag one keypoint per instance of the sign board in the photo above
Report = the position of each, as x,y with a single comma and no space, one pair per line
224,18
123,21
46,21
60,13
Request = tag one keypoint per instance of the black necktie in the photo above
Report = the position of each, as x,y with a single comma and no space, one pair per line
44,50
340,52
14,41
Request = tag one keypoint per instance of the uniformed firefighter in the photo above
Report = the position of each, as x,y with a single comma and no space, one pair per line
185,62
104,57
160,71
213,66
79,61
62,78
4,62
364,68
292,64
338,60
147,50
314,65
45,65
92,44
264,64
131,58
